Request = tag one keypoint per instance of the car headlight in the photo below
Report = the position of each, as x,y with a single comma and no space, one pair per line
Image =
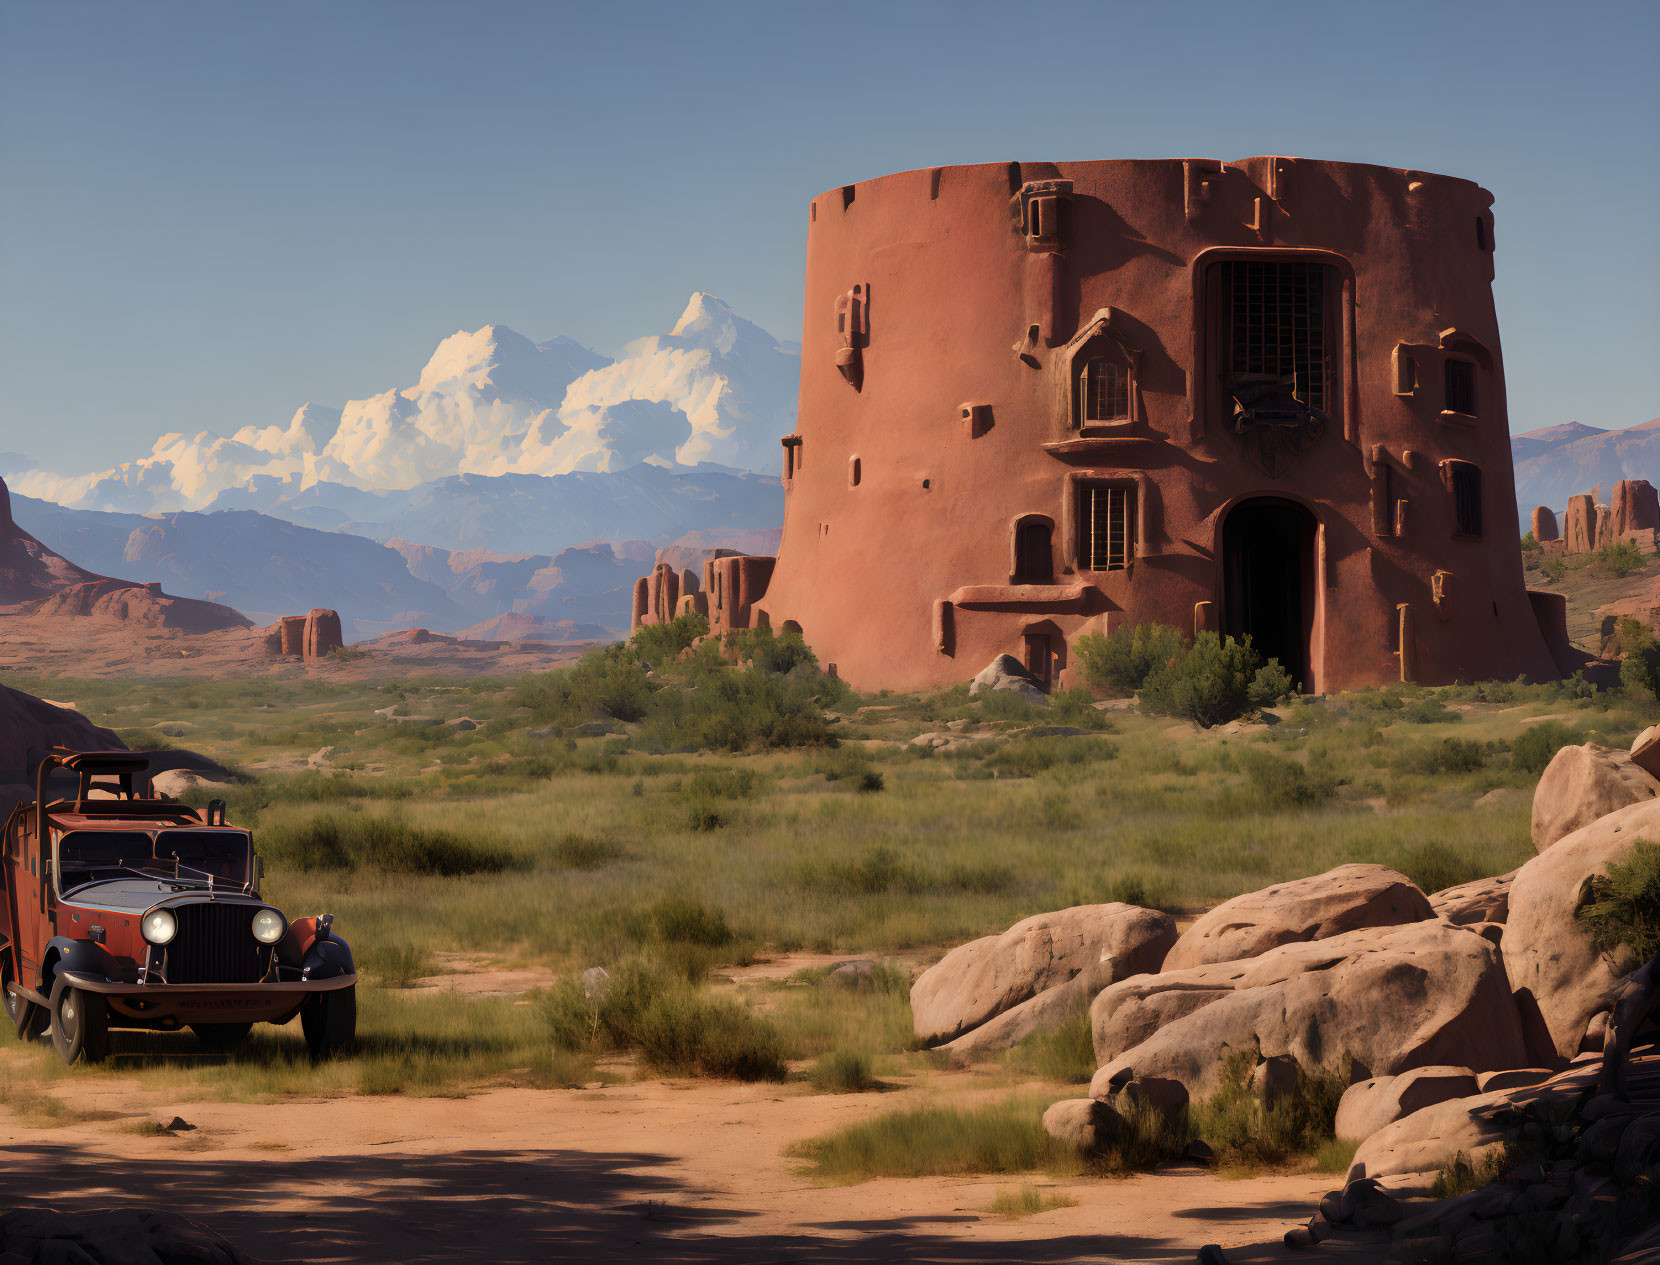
269,926
159,926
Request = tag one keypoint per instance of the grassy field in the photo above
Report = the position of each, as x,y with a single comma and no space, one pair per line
527,843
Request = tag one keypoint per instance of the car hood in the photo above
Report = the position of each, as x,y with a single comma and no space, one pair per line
131,893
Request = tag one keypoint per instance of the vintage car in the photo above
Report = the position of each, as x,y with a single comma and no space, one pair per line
123,909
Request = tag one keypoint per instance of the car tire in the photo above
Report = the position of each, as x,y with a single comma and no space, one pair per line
27,1018
221,1037
80,1024
329,1021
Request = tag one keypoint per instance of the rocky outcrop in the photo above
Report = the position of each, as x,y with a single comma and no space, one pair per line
1389,999
1547,952
1315,908
291,635
1084,1125
30,727
1469,904
1369,1105
985,978
1584,783
322,632
1635,507
1544,524
1580,529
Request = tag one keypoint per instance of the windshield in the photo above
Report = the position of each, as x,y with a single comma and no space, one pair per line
88,854
221,853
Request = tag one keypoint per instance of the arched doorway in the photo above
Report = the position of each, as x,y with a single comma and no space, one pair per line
1268,581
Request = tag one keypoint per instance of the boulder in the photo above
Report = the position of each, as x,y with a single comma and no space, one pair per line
1049,1009
1547,952
1582,784
1005,672
1513,1078
1086,1125
1468,904
1314,908
1369,1105
980,980
1389,998
1645,751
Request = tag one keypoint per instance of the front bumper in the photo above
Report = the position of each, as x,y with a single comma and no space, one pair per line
168,1005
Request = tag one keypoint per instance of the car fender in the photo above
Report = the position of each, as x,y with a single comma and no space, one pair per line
81,956
328,959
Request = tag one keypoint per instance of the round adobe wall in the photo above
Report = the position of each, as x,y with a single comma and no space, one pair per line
944,327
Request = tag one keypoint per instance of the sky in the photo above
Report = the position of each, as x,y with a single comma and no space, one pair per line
212,213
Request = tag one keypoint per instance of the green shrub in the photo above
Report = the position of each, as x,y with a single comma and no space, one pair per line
609,1017
1122,661
1429,711
1460,1177
1530,543
1533,748
682,920
1638,677
1621,557
1064,1053
682,1033
779,654
1622,906
1026,1200
1217,680
1448,756
881,871
931,1140
1279,783
351,840
1241,1130
1031,756
661,644
583,852
843,1071
1434,866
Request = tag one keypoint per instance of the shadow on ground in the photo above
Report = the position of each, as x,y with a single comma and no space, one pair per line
505,1207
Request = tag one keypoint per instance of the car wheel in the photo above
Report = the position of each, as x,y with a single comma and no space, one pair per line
80,1024
330,1021
28,1019
221,1037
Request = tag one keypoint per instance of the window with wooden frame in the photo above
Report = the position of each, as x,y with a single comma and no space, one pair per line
1103,392
1106,526
1459,380
1465,481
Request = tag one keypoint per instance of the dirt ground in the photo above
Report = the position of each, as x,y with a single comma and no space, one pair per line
654,1170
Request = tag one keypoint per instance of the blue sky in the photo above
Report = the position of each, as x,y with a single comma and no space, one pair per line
210,213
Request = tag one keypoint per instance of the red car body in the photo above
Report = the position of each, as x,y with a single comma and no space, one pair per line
131,910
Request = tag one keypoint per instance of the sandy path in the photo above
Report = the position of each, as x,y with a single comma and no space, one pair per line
658,1170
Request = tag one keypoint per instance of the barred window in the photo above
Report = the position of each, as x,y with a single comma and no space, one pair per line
1460,378
1466,490
1275,313
1106,523
1104,388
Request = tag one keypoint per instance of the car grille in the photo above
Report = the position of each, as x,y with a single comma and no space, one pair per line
215,945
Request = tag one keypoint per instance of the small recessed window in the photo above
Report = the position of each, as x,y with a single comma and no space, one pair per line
1460,387
1104,387
1466,490
1106,524
855,472
1033,556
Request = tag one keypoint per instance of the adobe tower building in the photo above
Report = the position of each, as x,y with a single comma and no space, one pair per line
1039,400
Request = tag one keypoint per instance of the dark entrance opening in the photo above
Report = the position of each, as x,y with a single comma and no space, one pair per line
1268,580
1040,659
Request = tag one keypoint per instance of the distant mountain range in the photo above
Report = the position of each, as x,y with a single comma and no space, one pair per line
1561,461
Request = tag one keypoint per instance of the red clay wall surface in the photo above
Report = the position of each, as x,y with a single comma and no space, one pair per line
949,316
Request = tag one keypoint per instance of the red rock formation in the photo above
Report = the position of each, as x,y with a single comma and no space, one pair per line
322,632
291,630
1636,507
1579,534
1011,373
1544,524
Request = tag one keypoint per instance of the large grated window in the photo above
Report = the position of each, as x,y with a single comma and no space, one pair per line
1106,521
1466,489
1460,387
1105,390
1276,314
